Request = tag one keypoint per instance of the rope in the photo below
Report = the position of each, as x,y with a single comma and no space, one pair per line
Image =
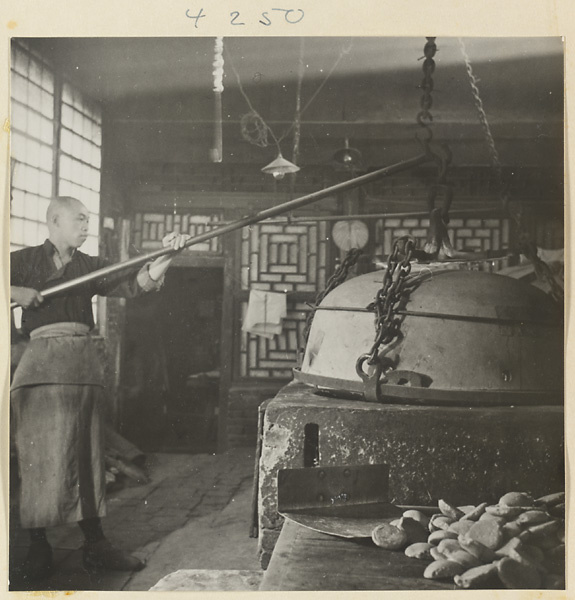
253,124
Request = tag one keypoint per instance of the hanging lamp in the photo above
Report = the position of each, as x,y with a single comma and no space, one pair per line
280,166
347,157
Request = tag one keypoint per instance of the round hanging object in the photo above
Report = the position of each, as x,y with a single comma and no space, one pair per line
465,338
350,234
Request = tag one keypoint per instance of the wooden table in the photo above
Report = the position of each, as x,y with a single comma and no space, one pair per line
305,560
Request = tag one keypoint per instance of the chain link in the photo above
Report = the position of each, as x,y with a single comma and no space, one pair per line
388,298
424,116
338,277
482,114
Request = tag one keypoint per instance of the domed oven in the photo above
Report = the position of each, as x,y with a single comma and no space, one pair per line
464,403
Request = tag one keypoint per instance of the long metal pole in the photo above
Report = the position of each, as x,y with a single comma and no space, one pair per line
250,220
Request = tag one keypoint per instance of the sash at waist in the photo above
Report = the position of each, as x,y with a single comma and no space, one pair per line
60,330
60,353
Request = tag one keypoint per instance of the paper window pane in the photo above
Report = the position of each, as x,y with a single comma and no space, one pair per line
78,191
17,204
34,97
76,145
19,116
65,188
86,151
47,131
96,157
67,93
66,140
46,159
47,108
17,146
31,233
65,167
76,171
32,183
98,114
42,207
77,121
67,116
95,184
35,72
45,184
17,230
19,88
93,226
86,128
30,206
21,62
34,124
48,81
33,153
97,137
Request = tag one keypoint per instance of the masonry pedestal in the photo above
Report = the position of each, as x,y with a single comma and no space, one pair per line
465,455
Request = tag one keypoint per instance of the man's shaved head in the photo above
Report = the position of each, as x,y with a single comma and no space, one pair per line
60,203
67,220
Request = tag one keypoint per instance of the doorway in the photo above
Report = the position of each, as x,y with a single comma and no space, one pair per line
171,373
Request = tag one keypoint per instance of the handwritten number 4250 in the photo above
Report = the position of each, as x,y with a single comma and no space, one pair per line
290,15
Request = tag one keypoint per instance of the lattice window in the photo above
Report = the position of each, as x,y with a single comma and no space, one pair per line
80,157
149,229
288,258
466,234
261,357
282,257
32,145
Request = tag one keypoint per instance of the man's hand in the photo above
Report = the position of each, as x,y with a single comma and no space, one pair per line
176,240
26,297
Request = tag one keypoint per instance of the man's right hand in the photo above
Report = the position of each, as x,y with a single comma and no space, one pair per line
26,297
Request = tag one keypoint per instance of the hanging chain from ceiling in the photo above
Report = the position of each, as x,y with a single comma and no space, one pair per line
527,246
424,116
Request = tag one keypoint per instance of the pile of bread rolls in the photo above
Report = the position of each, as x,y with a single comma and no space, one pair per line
518,543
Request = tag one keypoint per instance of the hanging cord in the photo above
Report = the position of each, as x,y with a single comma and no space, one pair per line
298,111
218,74
526,245
254,128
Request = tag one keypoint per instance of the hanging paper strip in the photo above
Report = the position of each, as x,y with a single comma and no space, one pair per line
218,73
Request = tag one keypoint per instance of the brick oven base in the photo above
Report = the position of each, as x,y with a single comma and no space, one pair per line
465,455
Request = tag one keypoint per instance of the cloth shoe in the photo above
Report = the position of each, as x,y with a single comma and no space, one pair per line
102,555
38,563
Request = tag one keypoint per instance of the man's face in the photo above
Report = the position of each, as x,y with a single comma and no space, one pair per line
72,224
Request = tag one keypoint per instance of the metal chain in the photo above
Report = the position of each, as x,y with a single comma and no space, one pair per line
482,114
424,117
388,299
338,277
526,246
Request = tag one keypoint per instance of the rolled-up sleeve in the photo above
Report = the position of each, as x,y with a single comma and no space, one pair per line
126,285
145,281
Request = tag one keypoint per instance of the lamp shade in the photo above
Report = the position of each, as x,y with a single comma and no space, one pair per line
279,167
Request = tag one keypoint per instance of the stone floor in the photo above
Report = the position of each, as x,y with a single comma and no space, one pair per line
194,515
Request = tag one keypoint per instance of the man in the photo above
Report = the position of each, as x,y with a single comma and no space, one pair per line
57,393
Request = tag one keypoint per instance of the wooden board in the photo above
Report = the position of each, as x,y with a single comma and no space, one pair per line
305,560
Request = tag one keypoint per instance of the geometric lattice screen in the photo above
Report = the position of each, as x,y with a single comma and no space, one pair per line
282,258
